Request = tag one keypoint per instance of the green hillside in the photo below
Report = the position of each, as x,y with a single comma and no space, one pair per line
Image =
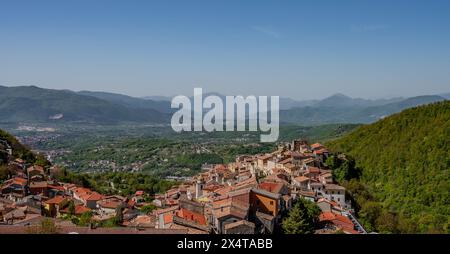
34,104
405,162
19,151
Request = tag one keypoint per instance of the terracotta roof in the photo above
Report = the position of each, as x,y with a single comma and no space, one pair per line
168,218
338,220
112,204
271,187
19,181
223,190
192,216
316,145
301,179
251,182
95,196
56,187
321,151
79,209
81,190
212,187
285,161
56,200
313,170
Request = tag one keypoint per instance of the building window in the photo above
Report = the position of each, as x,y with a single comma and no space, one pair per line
271,202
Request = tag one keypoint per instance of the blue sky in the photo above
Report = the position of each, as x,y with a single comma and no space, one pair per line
300,49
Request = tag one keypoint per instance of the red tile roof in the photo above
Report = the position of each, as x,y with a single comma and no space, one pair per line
168,218
316,145
79,209
313,170
56,200
56,187
19,181
112,204
192,216
321,151
338,220
301,179
271,186
95,196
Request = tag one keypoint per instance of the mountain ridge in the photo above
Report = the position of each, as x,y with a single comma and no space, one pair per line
34,104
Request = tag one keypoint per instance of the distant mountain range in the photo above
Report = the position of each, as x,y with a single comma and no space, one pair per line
34,104
335,109
162,104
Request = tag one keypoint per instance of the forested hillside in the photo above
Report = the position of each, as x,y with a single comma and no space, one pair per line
405,161
9,143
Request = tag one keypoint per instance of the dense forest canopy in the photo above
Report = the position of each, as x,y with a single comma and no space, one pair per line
405,160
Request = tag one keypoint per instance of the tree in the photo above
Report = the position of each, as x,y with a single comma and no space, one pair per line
42,161
302,218
344,167
71,208
4,172
3,157
85,219
119,215
148,208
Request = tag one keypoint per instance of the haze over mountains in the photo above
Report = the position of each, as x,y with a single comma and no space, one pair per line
34,104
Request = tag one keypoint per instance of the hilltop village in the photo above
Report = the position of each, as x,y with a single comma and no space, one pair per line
249,196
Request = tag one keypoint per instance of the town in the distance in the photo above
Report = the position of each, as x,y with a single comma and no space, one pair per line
288,190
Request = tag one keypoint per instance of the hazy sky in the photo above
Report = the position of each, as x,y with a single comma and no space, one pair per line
300,49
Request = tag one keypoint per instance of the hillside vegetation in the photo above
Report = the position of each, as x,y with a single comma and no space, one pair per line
405,161
19,151
34,104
